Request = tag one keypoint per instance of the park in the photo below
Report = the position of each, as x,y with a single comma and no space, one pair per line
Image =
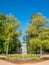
24,33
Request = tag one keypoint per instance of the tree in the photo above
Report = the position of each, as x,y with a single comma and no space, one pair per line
2,32
8,29
36,32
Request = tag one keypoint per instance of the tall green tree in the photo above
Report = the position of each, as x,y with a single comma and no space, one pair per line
36,32
2,32
8,29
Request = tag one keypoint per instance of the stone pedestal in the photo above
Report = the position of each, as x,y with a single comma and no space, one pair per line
24,48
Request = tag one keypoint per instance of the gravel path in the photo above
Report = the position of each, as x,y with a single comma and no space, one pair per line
2,62
40,63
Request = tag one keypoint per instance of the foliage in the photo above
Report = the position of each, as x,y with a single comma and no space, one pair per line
24,57
45,45
36,33
8,30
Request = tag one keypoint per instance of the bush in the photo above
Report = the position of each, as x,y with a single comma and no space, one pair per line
23,57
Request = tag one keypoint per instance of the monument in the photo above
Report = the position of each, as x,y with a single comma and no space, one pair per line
24,48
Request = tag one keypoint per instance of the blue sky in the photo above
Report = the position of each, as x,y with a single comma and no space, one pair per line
22,9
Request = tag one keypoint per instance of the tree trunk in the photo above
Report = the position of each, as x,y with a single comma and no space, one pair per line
7,48
41,50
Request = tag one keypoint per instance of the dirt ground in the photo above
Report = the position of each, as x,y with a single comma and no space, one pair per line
2,62
45,58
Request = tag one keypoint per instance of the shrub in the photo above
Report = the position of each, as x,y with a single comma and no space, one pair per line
23,57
